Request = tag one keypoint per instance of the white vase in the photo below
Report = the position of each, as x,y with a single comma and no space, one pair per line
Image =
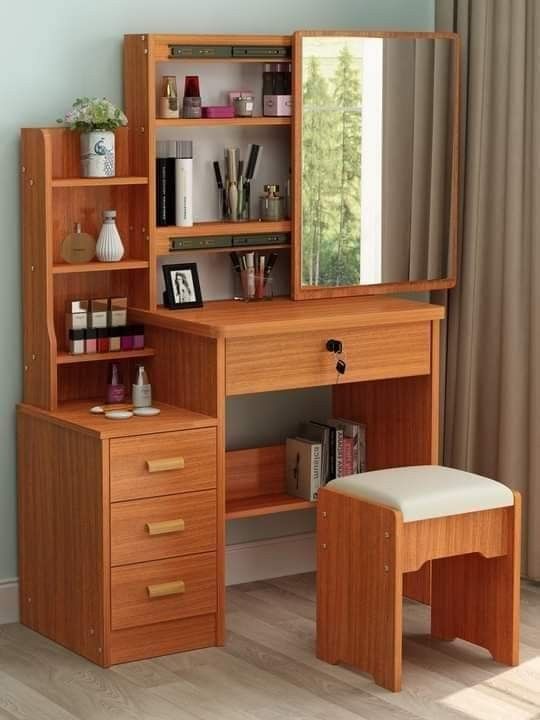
109,246
97,153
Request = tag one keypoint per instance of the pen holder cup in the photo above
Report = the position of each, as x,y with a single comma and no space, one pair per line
253,287
243,203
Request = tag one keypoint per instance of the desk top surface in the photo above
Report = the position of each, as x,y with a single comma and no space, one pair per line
230,318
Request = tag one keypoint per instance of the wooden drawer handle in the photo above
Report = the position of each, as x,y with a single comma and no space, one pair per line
171,588
166,526
174,463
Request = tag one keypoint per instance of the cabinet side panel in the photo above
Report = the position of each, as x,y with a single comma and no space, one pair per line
38,330
62,533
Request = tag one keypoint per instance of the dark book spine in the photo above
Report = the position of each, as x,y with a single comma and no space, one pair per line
171,191
161,192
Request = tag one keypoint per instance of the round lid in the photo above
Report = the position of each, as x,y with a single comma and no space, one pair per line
109,214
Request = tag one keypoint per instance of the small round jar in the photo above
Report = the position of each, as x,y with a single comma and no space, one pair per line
243,106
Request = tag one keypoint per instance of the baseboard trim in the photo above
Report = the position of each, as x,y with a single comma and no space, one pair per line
264,559
245,562
9,601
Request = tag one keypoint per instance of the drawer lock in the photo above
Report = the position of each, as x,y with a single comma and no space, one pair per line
171,588
165,527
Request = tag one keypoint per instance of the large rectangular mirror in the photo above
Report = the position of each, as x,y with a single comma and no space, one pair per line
375,170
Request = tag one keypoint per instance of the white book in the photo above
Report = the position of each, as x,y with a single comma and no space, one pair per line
303,468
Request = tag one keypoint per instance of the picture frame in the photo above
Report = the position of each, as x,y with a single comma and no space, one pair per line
182,286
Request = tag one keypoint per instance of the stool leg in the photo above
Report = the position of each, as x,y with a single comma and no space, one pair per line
477,598
359,586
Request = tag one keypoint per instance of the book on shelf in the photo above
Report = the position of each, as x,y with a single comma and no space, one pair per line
356,431
303,468
319,433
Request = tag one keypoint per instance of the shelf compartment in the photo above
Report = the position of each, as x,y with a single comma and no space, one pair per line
259,121
64,358
77,182
256,484
265,505
66,268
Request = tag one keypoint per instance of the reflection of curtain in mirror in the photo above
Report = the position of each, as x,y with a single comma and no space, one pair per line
416,154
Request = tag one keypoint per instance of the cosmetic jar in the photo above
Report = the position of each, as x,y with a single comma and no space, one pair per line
138,337
271,204
243,106
117,311
126,337
97,316
114,338
76,342
90,341
102,340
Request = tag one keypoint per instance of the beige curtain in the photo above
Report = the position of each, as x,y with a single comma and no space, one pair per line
492,404
417,88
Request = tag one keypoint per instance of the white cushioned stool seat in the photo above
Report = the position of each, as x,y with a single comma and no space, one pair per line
426,491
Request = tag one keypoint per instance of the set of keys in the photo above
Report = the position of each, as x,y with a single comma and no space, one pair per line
336,347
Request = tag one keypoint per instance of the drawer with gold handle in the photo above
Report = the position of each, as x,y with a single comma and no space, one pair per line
162,464
163,590
156,528
165,464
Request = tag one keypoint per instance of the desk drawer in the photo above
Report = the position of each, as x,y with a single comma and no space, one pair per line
163,464
163,590
291,360
157,528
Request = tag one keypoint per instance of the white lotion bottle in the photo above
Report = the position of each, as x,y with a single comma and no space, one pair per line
184,183
141,395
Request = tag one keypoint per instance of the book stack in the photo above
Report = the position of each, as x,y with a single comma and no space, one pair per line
324,451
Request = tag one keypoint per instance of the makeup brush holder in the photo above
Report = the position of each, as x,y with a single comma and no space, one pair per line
251,287
243,203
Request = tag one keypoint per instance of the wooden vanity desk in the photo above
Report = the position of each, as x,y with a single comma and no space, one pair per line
228,348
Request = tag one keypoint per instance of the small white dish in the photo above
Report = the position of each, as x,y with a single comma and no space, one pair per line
118,414
146,411
97,410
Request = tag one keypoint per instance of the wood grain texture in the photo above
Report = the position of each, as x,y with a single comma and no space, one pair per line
39,343
131,605
229,318
131,479
359,586
265,505
164,638
77,415
476,596
256,471
306,292
63,536
292,360
187,373
483,532
131,542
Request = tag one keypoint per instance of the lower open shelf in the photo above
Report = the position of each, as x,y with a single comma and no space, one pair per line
265,505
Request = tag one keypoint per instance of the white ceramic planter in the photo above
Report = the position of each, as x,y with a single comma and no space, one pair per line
97,153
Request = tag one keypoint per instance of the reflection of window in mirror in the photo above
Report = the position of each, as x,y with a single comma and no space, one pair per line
342,160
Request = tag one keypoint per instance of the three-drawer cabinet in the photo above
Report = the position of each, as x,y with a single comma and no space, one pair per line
123,565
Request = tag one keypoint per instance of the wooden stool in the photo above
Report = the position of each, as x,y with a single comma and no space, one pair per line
373,527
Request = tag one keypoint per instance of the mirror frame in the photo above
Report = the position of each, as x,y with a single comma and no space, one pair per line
309,292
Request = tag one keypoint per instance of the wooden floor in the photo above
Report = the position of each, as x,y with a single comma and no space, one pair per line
268,671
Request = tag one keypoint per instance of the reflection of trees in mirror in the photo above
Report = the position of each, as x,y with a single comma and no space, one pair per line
331,146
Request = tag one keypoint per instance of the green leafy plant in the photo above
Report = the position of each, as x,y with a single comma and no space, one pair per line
89,114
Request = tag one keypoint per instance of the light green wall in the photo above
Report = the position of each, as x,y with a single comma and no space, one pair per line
54,50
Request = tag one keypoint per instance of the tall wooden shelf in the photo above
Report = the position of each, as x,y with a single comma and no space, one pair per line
54,198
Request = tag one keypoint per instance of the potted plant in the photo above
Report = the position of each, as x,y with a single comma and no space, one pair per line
96,119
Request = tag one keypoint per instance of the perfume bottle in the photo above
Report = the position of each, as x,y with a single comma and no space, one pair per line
168,101
116,392
141,395
78,247
192,105
109,246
